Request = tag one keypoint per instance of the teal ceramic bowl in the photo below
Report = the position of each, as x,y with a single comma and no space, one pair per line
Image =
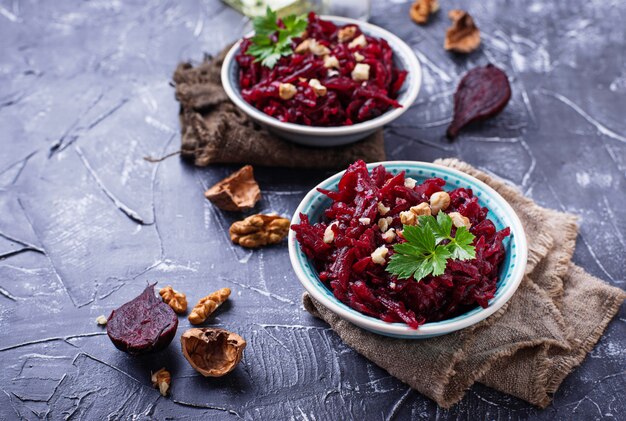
500,212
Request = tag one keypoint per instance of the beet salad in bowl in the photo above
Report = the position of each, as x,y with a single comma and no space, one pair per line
321,80
407,249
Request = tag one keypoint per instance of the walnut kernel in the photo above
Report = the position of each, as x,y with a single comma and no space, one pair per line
422,9
383,223
463,36
176,300
378,255
410,183
207,305
329,234
346,34
162,380
286,91
421,209
361,72
389,235
459,220
359,41
259,230
318,88
382,209
331,62
439,201
408,218
318,49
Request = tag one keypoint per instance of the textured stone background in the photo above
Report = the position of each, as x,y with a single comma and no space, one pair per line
85,221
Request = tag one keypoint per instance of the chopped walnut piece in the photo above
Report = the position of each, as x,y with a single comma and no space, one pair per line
303,47
346,33
259,230
237,192
359,41
459,220
318,49
331,62
383,223
176,300
212,352
382,209
410,183
101,320
378,255
329,234
422,9
463,36
318,88
408,218
361,72
162,380
389,235
421,209
286,91
439,201
207,305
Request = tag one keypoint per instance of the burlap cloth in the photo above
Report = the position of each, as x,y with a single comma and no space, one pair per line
526,348
214,130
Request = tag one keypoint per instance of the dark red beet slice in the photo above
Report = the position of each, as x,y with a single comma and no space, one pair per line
482,93
143,324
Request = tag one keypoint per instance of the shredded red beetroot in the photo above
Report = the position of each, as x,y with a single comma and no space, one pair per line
346,102
345,265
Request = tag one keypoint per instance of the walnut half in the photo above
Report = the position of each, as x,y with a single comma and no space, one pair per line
259,230
463,36
422,9
237,192
212,352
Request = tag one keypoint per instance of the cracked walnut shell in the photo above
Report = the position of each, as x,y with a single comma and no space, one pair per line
259,230
463,36
237,192
212,352
422,9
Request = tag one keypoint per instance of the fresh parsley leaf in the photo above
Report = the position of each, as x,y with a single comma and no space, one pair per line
420,237
428,247
461,246
271,41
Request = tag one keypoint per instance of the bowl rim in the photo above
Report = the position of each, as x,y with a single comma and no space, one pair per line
431,328
396,44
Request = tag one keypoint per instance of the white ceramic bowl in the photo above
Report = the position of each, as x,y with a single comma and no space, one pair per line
500,212
404,58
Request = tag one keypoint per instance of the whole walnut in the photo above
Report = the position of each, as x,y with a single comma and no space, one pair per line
259,230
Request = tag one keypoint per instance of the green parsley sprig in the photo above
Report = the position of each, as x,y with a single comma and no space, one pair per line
270,41
428,247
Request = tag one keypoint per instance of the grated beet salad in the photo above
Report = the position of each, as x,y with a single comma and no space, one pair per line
337,76
346,266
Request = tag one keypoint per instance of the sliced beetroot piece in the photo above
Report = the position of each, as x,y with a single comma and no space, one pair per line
143,324
482,93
